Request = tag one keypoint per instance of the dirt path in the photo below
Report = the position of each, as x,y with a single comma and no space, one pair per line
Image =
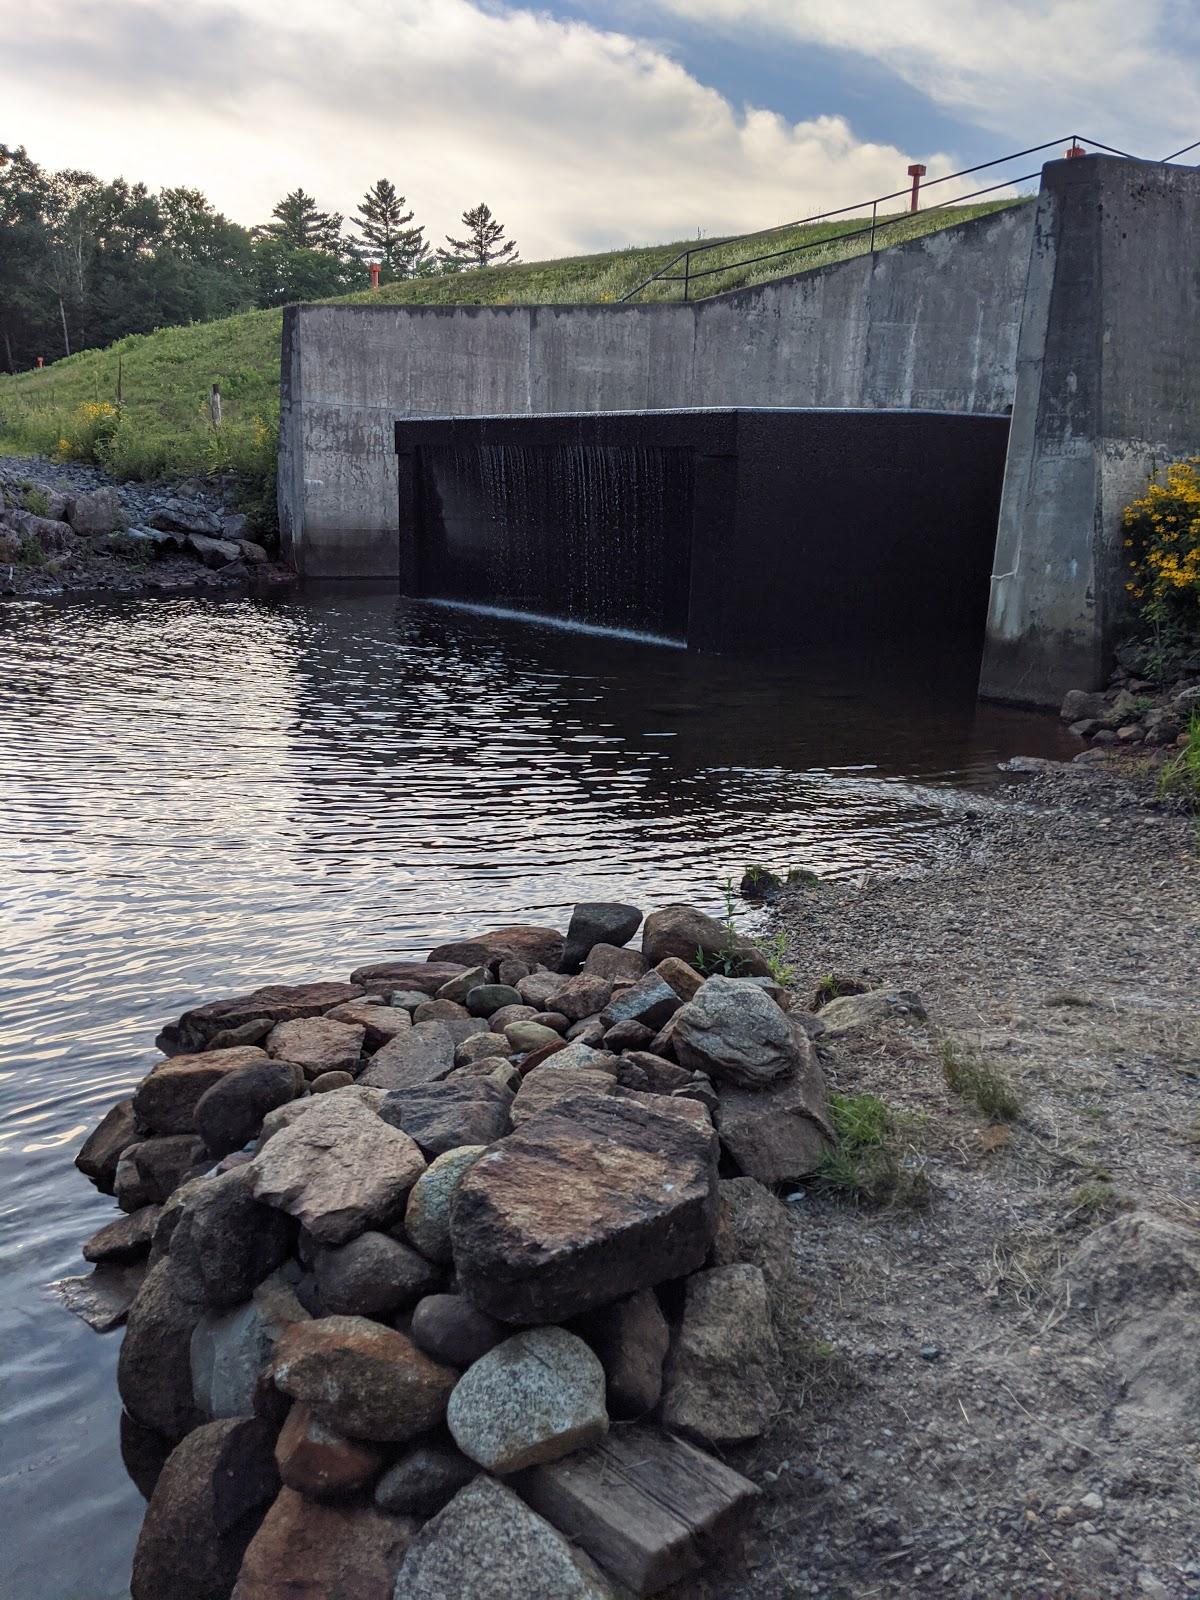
1000,1392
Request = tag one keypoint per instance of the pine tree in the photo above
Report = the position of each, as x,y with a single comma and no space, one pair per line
482,246
299,224
381,223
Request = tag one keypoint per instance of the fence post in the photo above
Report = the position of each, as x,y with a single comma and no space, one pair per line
687,269
874,213
214,405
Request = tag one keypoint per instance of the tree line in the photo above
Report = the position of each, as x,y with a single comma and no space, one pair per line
84,262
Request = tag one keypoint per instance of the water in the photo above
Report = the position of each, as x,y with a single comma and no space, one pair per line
198,796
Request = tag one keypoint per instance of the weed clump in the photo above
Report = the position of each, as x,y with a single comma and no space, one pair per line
871,1159
969,1075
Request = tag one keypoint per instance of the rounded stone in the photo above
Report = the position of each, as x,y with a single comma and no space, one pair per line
450,1329
371,1276
499,1020
536,1397
489,997
439,1011
330,1080
530,1035
481,1046
427,1216
551,1019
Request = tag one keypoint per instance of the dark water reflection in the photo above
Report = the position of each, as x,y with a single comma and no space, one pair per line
197,795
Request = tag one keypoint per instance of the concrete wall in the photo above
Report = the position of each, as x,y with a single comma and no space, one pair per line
1107,390
931,324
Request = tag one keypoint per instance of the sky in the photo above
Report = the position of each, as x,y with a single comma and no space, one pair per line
585,124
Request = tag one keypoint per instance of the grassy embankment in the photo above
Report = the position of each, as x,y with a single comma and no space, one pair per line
163,428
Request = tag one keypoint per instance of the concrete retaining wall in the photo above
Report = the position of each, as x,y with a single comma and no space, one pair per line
1108,389
931,324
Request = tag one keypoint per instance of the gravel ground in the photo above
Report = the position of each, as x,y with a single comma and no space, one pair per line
996,1396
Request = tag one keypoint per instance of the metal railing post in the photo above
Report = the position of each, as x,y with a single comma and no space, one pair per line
874,211
687,268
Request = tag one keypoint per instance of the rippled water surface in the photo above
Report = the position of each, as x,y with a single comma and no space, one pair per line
198,796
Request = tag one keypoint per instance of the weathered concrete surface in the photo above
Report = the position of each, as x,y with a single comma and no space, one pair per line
1107,389
930,324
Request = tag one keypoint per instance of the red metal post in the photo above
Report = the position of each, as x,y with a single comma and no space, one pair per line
1075,151
916,172
41,361
373,269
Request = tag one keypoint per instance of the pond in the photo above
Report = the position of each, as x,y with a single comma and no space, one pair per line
201,795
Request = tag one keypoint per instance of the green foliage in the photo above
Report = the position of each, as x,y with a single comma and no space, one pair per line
775,950
868,1161
485,244
1162,541
1180,778
1093,1201
30,552
36,501
382,224
969,1075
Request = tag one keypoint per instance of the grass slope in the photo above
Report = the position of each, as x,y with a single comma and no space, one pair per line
163,427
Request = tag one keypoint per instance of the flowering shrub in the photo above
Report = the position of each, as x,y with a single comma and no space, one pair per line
1162,538
89,434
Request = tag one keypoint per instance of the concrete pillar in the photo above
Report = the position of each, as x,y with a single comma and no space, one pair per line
1107,390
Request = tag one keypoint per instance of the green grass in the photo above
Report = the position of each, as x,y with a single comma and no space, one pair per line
165,376
969,1075
867,1163
1180,778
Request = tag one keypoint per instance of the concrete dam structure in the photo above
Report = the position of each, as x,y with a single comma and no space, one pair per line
721,530
1078,314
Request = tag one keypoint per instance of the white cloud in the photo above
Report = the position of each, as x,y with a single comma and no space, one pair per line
1121,71
577,137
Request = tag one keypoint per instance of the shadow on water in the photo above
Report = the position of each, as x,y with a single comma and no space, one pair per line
200,795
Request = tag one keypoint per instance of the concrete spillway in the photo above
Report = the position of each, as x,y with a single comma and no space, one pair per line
726,529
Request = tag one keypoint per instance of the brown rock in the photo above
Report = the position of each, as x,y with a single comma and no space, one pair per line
372,1276
338,1168
551,1019
165,1101
362,1379
754,1226
224,1242
310,1550
105,1145
662,1076
535,946
481,1047
154,1374
549,1085
500,1019
684,932
439,1010
450,1329
442,1116
584,996
379,1023
127,1239
208,1502
612,962
684,979
542,1054
650,1001
317,1044
326,1082
252,1032
628,1035
537,988
103,1297
782,1132
394,977
424,1054
316,1461
149,1173
724,1375
631,1338
230,1114
278,1002
577,1208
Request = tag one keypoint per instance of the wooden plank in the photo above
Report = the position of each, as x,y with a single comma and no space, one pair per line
646,1506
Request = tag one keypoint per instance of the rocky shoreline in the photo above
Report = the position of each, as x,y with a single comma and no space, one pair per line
70,529
419,1265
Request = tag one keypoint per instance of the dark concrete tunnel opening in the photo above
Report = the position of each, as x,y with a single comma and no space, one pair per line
767,531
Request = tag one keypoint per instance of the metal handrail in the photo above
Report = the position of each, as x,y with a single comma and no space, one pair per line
689,275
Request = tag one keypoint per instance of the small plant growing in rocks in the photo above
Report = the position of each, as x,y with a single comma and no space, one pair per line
868,1163
969,1075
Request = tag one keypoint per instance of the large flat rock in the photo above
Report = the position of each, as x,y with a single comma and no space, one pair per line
165,1101
338,1168
581,1206
275,1002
